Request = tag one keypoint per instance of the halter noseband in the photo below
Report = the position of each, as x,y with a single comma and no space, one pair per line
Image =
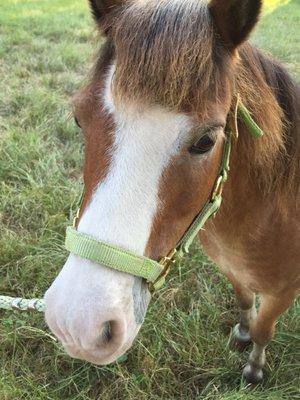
155,272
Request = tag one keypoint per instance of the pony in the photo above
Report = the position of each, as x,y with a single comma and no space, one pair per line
154,114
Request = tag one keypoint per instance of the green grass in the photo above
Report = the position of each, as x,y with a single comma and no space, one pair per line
182,351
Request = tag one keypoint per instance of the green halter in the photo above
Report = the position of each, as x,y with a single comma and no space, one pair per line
155,272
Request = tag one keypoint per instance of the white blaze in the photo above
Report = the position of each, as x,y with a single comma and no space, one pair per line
124,204
86,297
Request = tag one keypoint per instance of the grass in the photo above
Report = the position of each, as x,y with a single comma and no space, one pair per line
182,351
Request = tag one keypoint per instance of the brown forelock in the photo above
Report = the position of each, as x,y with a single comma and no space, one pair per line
165,54
97,125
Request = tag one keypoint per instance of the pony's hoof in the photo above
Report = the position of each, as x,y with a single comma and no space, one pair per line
252,375
240,340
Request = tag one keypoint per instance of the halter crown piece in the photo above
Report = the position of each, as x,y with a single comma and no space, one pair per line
154,272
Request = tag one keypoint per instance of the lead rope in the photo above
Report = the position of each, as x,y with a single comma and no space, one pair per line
21,304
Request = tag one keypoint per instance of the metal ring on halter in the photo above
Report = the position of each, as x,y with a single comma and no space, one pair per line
15,304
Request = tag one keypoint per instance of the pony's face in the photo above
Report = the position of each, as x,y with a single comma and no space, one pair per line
153,117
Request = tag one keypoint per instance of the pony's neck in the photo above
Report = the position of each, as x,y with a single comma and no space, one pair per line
271,162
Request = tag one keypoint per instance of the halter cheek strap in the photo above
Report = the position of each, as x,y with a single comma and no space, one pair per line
155,272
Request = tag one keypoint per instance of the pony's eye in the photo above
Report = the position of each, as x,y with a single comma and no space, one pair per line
203,145
76,122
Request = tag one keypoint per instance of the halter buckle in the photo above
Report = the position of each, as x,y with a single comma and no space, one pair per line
166,262
76,219
218,189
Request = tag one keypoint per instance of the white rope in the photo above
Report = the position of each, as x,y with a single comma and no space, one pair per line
18,303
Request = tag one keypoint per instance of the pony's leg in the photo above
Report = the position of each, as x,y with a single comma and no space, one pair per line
262,330
246,302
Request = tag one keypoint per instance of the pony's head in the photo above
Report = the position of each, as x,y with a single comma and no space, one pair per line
153,117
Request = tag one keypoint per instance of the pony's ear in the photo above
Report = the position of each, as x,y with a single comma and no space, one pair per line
235,19
103,8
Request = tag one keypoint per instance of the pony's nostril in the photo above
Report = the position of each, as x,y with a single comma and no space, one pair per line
106,332
112,334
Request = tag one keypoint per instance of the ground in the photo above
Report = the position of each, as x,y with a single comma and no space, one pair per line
182,351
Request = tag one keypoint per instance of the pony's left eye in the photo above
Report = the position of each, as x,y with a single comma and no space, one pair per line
204,144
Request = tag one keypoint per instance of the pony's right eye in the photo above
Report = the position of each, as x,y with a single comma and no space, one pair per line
203,145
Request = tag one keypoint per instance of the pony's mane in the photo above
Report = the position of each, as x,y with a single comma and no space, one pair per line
271,96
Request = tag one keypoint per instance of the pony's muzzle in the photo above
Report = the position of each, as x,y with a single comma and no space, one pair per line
94,311
97,342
